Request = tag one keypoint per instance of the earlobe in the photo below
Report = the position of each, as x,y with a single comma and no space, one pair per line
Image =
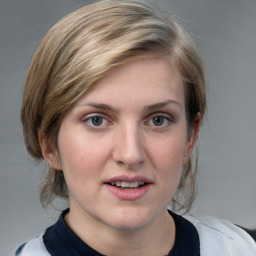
49,153
191,141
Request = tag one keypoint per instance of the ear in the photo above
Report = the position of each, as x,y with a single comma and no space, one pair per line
49,152
191,141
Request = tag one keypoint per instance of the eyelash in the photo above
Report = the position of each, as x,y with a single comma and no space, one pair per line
89,121
165,121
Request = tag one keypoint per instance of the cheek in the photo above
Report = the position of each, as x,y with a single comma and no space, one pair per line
78,165
81,157
170,152
168,161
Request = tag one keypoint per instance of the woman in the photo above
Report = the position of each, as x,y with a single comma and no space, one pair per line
113,102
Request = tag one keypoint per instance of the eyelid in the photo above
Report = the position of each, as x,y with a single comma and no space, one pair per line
94,114
168,117
162,114
87,117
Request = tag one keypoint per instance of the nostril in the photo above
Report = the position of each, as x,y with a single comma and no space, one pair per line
130,166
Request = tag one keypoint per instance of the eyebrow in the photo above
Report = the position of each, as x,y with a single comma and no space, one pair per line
102,106
162,104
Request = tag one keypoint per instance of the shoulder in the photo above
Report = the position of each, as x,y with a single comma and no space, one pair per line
33,247
221,237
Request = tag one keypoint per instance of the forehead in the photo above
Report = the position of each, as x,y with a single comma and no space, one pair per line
144,80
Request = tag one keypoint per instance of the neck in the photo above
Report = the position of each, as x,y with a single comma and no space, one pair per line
155,239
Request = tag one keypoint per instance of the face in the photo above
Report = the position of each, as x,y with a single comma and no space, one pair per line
122,146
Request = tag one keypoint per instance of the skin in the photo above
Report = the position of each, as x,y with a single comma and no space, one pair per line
131,122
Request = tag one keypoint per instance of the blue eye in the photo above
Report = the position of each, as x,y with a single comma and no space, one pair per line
159,121
96,121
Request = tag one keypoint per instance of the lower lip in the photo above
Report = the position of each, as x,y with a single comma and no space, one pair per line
129,194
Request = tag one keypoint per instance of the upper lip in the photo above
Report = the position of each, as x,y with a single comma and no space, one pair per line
128,179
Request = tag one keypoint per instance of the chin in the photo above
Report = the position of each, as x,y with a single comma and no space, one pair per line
129,219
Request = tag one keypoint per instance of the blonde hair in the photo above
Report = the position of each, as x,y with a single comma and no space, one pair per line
80,49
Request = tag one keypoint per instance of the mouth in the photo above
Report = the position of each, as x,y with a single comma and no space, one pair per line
125,185
129,188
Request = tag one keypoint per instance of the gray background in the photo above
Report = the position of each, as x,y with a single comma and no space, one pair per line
225,32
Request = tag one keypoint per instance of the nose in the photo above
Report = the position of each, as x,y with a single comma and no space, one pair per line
129,150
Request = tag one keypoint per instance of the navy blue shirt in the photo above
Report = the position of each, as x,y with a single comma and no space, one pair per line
60,240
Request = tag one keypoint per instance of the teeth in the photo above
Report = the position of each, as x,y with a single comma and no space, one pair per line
125,184
134,184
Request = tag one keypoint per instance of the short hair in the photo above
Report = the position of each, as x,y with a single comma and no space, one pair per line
84,45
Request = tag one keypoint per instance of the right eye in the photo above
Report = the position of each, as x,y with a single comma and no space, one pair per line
96,121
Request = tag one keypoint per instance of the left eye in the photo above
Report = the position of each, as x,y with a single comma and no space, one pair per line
159,121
